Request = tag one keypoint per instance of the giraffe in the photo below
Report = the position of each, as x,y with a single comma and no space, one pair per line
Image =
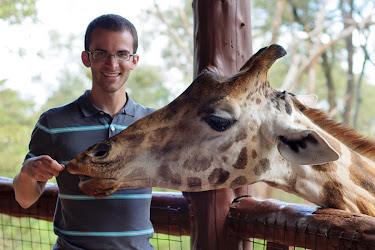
227,132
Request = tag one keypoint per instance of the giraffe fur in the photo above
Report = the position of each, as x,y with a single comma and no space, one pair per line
227,132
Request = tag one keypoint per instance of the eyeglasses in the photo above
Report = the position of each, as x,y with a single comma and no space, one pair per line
103,55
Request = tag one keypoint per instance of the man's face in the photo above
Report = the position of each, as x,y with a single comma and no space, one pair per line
110,75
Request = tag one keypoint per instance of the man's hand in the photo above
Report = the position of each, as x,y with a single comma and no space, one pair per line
41,168
30,182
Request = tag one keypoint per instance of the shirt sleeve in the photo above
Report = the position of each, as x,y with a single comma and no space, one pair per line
41,139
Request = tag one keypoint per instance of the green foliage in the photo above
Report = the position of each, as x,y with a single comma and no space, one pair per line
365,121
302,12
16,124
172,24
15,11
70,88
145,86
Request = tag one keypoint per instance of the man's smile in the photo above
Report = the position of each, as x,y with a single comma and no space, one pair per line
111,74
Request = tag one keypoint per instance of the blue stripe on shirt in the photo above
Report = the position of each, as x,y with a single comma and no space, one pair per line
106,234
111,197
78,129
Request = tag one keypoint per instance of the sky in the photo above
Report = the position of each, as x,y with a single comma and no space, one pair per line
35,72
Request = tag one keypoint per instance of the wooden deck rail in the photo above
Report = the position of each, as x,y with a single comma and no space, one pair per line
300,225
248,218
169,211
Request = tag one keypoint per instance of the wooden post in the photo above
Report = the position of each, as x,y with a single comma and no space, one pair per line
222,43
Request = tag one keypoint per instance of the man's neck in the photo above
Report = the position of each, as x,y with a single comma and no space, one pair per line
110,103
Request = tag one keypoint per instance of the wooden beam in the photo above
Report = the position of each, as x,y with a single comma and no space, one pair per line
222,43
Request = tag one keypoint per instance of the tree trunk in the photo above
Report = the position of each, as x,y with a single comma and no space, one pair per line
319,24
358,96
330,86
347,18
277,20
222,43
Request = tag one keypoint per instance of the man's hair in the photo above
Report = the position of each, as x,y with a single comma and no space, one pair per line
113,23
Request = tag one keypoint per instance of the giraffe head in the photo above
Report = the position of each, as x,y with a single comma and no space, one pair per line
222,132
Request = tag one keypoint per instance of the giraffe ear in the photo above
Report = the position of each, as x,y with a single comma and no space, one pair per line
306,147
308,100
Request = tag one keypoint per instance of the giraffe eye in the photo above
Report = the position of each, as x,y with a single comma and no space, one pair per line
219,124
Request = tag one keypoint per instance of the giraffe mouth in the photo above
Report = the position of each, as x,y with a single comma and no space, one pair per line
98,187
83,178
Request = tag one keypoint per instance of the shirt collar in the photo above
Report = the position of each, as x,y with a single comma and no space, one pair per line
88,109
129,108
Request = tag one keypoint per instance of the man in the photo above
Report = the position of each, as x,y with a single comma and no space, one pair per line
121,221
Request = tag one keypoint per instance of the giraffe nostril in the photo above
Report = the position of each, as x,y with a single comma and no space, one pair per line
100,150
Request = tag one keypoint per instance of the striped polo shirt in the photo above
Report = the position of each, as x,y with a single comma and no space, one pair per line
120,221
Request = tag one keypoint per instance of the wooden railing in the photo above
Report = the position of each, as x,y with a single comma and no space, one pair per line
275,222
300,225
169,211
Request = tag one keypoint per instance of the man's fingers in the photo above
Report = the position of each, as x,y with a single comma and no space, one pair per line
48,167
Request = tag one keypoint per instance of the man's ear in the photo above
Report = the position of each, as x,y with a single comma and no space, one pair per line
135,59
86,59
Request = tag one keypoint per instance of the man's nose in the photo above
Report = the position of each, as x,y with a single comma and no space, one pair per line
112,60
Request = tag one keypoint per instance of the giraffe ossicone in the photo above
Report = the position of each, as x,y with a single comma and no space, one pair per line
227,132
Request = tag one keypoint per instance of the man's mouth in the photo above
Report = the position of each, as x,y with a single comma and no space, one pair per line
111,74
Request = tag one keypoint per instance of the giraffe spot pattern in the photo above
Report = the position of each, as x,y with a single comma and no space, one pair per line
194,183
241,136
254,154
135,139
224,158
270,183
262,166
218,176
332,195
362,174
225,146
364,206
288,108
171,147
158,135
238,182
241,160
291,181
277,104
328,167
198,163
165,173
258,101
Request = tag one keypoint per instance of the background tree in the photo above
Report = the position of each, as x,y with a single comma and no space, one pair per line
175,24
16,121
322,35
70,88
15,11
16,124
145,86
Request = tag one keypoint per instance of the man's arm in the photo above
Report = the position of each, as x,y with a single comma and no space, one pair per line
30,182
